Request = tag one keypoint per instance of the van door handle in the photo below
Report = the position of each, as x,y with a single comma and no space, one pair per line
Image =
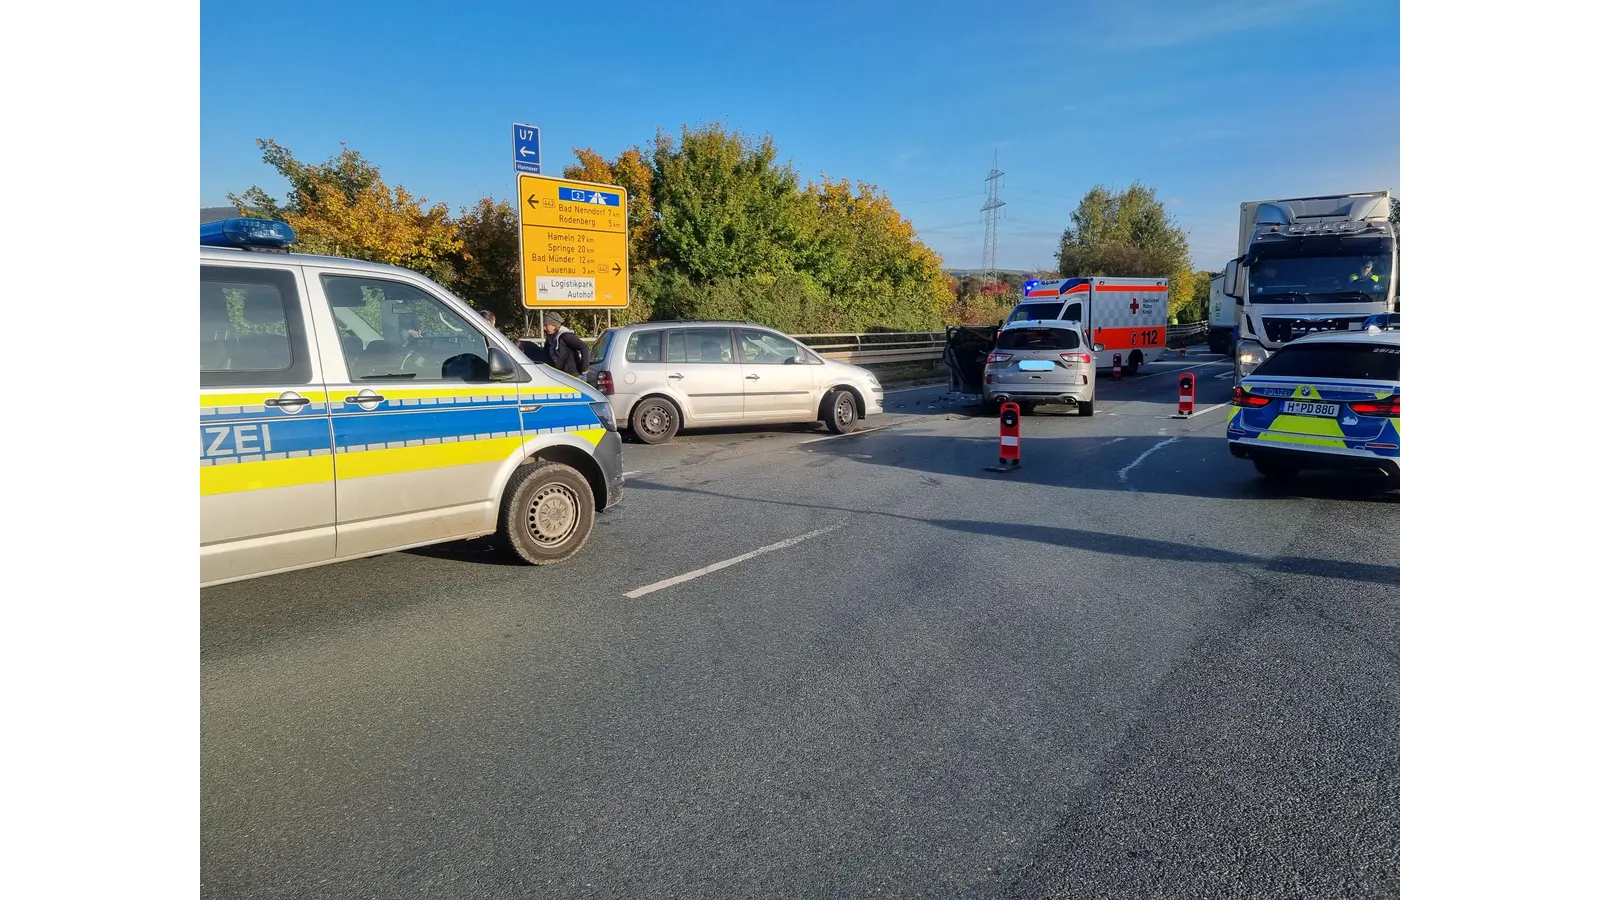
674,375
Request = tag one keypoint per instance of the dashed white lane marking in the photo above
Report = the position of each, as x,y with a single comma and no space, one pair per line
1122,474
829,437
1175,369
636,593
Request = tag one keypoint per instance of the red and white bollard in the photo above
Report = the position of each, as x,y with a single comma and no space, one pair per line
1010,438
1186,394
1116,365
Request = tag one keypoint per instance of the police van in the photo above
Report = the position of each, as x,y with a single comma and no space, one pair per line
349,409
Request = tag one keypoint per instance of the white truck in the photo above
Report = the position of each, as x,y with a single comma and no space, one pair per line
1223,316
1309,264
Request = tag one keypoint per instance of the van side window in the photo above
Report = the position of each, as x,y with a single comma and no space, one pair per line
251,329
675,351
709,345
392,331
644,346
1074,312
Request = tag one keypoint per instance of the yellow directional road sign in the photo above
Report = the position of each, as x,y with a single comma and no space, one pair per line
574,243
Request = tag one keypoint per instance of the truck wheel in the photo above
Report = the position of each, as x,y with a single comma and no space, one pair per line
654,421
546,514
839,412
1276,471
1086,408
1132,368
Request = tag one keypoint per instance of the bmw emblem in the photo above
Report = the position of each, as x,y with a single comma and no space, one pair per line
1305,392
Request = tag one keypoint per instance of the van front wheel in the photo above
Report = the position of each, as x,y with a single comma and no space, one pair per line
839,412
546,514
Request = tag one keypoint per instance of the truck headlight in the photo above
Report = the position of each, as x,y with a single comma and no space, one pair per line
602,411
1251,355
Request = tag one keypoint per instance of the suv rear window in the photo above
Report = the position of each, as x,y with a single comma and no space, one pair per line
1371,362
1038,339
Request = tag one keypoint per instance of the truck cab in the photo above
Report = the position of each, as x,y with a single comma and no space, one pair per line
1309,265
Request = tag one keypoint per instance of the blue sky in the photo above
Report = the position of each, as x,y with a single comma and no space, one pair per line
1211,102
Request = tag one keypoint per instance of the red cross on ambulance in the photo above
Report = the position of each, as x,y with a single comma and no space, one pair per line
1134,306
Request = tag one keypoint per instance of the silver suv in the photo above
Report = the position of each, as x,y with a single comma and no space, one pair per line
664,376
1041,362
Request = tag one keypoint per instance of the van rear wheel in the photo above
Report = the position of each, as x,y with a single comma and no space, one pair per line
546,514
654,421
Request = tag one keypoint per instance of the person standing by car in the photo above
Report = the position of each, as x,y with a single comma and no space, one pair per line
565,350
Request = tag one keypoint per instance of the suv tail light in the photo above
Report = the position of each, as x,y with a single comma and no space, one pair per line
1242,397
605,384
998,357
1389,408
1084,358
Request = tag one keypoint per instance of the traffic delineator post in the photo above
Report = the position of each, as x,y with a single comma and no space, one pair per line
1116,365
1010,438
1186,394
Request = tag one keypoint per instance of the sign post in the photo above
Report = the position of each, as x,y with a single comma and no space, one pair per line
573,243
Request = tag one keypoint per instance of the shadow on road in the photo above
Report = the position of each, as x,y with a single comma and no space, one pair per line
1095,464
1094,541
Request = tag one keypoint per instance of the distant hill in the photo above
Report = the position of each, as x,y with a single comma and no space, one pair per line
216,213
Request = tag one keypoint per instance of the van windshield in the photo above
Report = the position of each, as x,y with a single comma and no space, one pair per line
1035,312
1038,339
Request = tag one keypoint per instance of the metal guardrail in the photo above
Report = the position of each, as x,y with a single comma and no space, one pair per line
926,346
883,347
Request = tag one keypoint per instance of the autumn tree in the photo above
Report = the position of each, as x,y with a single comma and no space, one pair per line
1129,234
488,273
343,208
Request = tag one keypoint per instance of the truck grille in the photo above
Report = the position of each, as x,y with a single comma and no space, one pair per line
1281,329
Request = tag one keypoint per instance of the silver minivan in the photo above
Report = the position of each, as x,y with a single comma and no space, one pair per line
665,376
1041,362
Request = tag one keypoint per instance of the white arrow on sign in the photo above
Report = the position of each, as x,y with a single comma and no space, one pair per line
524,151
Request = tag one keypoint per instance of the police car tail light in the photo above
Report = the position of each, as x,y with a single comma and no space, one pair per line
606,384
998,357
1242,397
1389,407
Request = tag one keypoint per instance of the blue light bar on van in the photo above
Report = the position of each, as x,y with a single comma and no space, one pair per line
246,232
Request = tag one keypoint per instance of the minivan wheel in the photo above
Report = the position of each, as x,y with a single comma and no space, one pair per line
839,413
546,514
654,421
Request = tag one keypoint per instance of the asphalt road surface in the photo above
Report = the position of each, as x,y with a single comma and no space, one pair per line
1131,669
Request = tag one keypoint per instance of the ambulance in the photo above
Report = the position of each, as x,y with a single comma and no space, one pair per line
349,409
1127,315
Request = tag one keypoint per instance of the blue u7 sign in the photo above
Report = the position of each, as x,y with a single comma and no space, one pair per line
525,148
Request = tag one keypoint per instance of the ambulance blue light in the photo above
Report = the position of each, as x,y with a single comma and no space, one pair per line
246,232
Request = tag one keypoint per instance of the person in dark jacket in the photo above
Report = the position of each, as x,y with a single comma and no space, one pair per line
565,350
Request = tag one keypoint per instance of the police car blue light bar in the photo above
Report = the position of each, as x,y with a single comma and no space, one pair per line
246,232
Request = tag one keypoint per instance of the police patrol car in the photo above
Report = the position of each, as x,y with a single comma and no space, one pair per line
1325,401
349,409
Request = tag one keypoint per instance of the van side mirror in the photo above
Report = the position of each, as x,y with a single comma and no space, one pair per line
1230,280
1099,348
501,366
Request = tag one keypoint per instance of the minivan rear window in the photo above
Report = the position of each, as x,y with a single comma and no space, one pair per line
644,346
1038,339
1368,362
